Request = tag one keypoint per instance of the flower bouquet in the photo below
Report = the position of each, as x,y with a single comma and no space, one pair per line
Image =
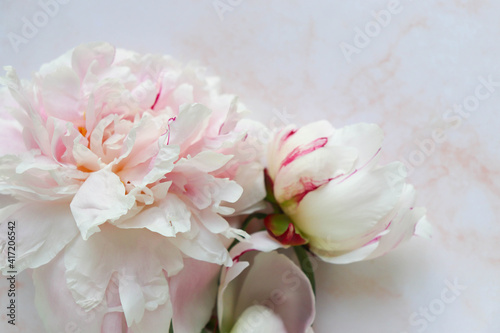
144,200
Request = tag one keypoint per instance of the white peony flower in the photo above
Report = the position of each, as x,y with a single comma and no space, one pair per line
119,169
264,292
328,182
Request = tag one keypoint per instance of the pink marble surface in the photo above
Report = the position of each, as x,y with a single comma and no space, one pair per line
419,73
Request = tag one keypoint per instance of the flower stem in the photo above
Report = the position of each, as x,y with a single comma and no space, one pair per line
250,217
305,265
245,223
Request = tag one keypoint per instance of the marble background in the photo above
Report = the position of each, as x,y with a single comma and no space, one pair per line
427,71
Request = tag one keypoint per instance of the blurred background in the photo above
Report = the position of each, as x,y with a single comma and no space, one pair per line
428,72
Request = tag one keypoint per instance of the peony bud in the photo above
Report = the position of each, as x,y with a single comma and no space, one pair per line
329,184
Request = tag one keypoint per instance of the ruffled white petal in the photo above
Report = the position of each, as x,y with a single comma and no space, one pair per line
189,125
167,218
56,306
101,198
41,232
202,245
139,257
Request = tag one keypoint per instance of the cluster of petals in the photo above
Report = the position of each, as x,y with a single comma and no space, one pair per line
126,175
122,172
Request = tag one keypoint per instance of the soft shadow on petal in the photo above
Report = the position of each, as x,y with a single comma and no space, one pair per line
56,306
157,321
403,225
42,230
101,198
139,257
337,212
193,292
276,282
203,245
273,281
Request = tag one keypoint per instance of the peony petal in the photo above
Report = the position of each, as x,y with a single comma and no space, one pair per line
92,57
259,241
11,131
56,306
168,218
251,178
157,321
313,170
84,157
286,291
259,319
132,300
213,222
140,259
361,253
227,294
193,293
401,223
365,138
207,161
163,163
96,138
225,190
423,228
359,204
404,223
189,125
146,144
291,137
183,94
101,198
60,93
205,246
42,231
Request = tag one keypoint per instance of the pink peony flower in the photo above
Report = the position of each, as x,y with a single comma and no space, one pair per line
120,170
328,182
264,292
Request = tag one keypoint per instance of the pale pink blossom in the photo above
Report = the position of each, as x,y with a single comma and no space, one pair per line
121,170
